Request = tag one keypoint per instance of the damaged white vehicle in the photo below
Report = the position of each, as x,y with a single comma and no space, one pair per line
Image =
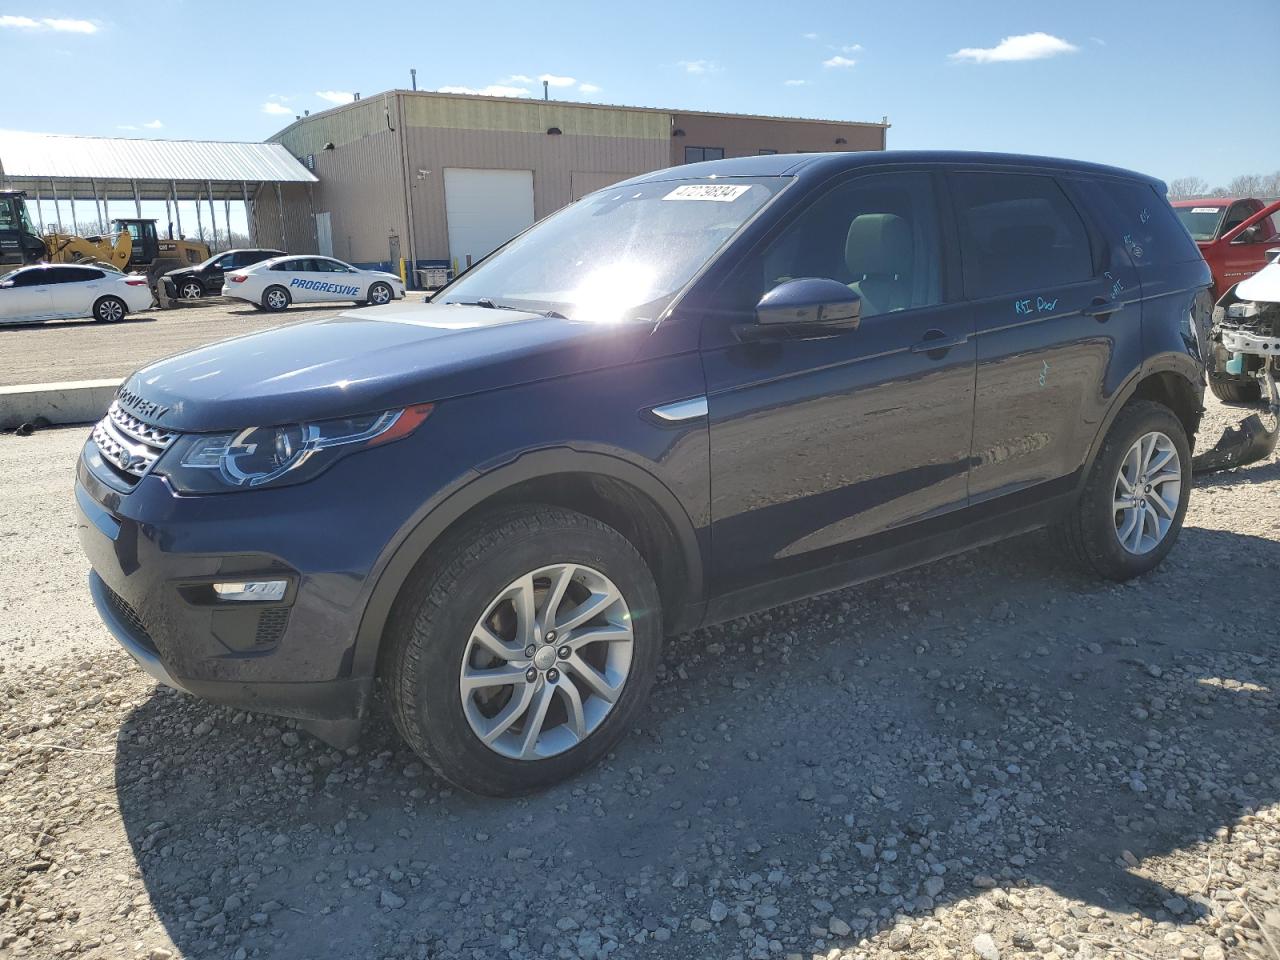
1244,360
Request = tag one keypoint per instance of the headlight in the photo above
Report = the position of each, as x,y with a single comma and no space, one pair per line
275,456
1242,310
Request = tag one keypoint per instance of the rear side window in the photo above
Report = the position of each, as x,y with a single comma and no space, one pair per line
300,266
72,274
1141,220
1018,232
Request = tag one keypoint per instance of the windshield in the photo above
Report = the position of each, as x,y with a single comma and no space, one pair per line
1201,221
619,254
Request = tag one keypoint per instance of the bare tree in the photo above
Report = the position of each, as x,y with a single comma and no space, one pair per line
1186,188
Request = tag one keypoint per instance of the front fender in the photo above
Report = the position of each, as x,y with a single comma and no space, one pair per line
476,488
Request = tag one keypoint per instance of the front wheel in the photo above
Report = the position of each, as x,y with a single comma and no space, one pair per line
191,290
1134,501
523,649
109,310
276,299
379,294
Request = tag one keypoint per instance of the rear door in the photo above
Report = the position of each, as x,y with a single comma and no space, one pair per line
73,290
1051,307
302,278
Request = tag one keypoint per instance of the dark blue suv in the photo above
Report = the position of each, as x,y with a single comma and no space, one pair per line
698,393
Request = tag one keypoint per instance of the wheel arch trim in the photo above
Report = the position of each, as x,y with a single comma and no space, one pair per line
473,490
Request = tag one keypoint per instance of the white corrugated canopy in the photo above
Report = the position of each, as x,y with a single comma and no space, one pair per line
42,155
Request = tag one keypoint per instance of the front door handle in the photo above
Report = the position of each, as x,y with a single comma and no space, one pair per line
936,344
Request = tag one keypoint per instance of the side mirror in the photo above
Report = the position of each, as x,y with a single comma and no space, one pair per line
808,307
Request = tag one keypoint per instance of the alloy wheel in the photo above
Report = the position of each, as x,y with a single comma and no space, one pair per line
380,294
192,291
277,300
546,662
1147,491
110,311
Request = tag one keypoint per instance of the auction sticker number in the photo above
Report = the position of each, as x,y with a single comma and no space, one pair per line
719,192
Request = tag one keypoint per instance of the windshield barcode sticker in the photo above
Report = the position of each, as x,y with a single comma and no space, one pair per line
1205,209
719,192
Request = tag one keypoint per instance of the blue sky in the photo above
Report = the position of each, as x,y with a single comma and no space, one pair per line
1142,85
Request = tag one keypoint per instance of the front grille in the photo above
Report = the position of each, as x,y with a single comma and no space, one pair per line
128,444
125,611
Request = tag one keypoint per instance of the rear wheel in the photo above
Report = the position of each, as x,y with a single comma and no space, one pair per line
1134,501
191,290
379,294
109,310
276,299
1236,390
523,650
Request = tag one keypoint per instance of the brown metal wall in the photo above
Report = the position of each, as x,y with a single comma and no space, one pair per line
556,161
747,136
299,228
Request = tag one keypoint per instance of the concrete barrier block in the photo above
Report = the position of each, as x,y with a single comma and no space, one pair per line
76,401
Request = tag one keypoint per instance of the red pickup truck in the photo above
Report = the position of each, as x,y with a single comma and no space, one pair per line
1234,235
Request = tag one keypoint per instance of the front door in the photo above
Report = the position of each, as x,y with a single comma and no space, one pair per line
826,449
28,298
1051,308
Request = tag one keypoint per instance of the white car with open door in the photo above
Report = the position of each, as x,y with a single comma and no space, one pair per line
275,284
61,291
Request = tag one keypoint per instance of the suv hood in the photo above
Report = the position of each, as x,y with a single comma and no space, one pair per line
1263,286
362,361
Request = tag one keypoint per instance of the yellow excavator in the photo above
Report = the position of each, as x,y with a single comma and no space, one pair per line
134,244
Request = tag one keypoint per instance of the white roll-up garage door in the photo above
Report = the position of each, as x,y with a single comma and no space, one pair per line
485,209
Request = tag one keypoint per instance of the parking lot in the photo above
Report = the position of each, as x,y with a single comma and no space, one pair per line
989,756
62,350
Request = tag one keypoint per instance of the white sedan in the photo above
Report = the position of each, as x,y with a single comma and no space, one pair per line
274,284
58,291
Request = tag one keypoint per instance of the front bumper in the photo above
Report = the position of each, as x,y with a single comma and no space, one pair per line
155,556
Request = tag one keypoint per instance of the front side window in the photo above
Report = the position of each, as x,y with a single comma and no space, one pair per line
1238,214
1018,232
617,254
71,275
878,234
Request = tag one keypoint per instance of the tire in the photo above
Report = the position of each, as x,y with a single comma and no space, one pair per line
110,310
1235,390
275,299
379,294
1091,533
191,290
429,644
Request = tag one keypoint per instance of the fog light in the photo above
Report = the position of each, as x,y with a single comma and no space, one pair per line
251,590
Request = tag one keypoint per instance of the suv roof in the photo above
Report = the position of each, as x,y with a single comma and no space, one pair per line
824,164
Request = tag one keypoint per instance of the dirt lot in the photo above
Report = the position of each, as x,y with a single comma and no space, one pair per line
992,756
84,350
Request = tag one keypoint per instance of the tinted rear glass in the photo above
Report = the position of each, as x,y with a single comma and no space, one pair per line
1141,220
1018,232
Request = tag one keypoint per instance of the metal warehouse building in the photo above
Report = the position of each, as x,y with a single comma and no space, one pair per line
441,179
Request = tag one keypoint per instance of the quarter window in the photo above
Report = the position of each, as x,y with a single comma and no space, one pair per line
1018,232
878,234
698,154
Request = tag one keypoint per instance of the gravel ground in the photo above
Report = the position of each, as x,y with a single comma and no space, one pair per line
84,350
991,756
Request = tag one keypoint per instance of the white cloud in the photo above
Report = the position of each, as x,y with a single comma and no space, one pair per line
277,109
552,80
1099,41
588,88
839,61
59,24
126,126
153,125
493,90
517,78
700,66
1025,46
336,96
809,36
851,48
795,83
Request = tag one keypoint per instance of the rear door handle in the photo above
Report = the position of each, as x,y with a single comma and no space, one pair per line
935,341
1101,309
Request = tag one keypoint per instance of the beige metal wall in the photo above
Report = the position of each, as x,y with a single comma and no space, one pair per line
747,136
361,177
297,232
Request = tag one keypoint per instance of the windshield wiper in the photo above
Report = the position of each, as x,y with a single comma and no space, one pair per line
490,305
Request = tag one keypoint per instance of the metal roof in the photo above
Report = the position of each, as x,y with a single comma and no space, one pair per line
45,156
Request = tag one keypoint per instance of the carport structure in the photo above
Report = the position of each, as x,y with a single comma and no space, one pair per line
102,171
